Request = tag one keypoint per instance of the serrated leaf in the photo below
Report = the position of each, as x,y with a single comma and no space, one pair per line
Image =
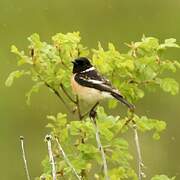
169,85
147,124
106,133
35,88
61,119
15,75
35,41
52,118
169,43
88,148
162,177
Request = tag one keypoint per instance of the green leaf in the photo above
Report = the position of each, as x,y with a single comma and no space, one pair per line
177,64
169,43
35,41
133,73
162,177
46,165
169,85
146,124
106,133
75,127
35,88
168,65
15,75
88,148
148,44
61,119
14,49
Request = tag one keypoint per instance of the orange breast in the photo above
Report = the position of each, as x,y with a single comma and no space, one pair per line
88,94
74,85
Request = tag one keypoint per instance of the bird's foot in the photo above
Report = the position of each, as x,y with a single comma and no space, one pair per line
93,114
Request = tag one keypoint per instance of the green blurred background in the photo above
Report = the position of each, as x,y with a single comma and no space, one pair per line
117,21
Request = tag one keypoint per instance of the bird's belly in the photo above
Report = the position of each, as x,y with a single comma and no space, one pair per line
87,94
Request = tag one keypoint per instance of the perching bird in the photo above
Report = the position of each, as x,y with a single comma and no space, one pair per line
89,85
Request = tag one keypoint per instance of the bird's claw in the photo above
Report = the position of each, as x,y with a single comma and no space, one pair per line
93,114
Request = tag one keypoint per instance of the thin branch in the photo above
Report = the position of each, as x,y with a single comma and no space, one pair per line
76,102
100,147
57,94
139,156
66,159
130,118
85,114
51,158
53,89
24,158
66,93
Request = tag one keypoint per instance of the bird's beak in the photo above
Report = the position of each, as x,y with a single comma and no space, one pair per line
74,62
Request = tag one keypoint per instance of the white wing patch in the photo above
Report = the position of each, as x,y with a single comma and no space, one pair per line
94,81
89,69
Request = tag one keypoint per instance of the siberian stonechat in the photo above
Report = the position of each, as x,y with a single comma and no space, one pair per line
89,85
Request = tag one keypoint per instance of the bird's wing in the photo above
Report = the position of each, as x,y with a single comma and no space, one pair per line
93,79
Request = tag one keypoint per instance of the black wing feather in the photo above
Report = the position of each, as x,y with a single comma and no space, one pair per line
85,79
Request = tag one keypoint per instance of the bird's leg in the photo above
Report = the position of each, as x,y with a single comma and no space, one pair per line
93,113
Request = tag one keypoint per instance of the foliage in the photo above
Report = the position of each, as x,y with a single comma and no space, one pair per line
162,177
134,73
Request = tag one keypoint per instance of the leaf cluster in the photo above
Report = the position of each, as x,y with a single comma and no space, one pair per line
142,68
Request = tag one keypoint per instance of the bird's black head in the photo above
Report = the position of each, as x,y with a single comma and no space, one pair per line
81,64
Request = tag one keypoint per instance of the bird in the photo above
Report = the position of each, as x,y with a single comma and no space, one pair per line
92,87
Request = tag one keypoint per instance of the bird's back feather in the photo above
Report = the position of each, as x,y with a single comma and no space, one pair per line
92,79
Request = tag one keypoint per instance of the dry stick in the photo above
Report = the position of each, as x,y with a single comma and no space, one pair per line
51,158
101,149
66,159
139,156
136,138
24,157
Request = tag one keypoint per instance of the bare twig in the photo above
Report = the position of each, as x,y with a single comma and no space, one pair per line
24,157
51,158
53,89
139,156
66,159
58,95
66,93
55,92
85,114
101,149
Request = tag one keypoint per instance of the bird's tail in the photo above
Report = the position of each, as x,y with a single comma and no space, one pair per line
123,100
